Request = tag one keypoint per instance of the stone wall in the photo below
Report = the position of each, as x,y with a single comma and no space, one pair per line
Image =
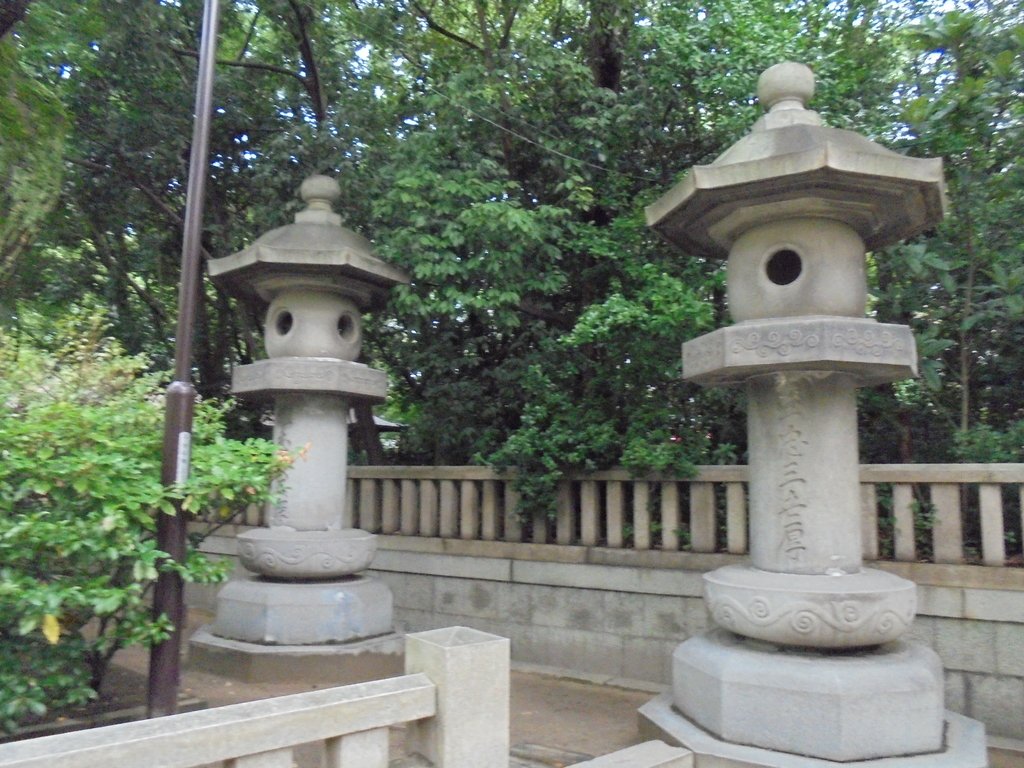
617,615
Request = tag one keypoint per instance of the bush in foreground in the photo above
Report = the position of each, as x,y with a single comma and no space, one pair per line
80,433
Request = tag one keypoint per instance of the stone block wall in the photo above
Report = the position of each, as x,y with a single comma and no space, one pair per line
617,615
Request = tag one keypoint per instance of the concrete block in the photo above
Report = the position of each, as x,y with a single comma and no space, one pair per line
576,575
650,754
668,582
467,597
519,607
623,614
649,660
567,608
1010,649
410,590
998,702
922,630
940,601
956,692
994,605
664,617
698,620
471,672
591,652
487,569
966,645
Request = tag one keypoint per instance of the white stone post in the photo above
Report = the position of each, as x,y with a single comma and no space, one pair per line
471,672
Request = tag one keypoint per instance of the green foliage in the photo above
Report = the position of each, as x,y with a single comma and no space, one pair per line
32,127
80,433
501,153
985,444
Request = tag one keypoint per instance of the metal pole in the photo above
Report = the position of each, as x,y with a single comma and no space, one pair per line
168,597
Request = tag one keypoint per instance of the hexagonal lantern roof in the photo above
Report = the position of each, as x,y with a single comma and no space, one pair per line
316,250
792,165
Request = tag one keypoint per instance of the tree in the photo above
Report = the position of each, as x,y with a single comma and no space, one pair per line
962,287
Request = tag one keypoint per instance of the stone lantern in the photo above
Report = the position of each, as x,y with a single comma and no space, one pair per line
809,662
304,587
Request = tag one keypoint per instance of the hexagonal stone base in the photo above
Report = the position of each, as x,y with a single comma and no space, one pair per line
255,610
963,747
338,664
845,706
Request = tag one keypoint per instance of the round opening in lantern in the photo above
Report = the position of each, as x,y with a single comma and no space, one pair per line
346,327
783,267
284,322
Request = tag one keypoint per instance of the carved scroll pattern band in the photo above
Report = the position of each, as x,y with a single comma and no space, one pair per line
308,559
779,343
869,343
803,622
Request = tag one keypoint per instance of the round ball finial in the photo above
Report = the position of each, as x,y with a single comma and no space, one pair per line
788,85
318,187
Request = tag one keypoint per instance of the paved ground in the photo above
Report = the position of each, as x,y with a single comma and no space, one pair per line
556,720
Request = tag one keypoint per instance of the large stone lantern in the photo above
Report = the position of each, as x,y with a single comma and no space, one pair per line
304,585
809,662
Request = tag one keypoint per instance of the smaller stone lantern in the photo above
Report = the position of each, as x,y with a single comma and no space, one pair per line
305,587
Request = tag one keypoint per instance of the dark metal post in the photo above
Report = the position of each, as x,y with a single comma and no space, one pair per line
168,598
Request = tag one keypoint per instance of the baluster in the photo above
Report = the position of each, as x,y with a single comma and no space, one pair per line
513,525
670,516
369,513
735,518
489,511
348,516
428,508
869,521
947,532
469,510
613,513
641,515
389,506
408,508
564,519
540,528
588,513
449,522
993,542
364,749
702,517
904,530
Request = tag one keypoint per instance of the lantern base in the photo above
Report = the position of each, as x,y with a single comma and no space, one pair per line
864,705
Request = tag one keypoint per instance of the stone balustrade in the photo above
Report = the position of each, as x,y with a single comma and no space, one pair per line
942,513
454,700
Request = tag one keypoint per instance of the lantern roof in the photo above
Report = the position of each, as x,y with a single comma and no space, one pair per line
792,165
315,250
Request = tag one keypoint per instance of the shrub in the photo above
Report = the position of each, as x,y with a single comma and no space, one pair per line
80,433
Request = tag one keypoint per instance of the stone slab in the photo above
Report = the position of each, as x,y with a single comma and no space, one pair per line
488,569
650,754
264,379
964,744
358,661
873,352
